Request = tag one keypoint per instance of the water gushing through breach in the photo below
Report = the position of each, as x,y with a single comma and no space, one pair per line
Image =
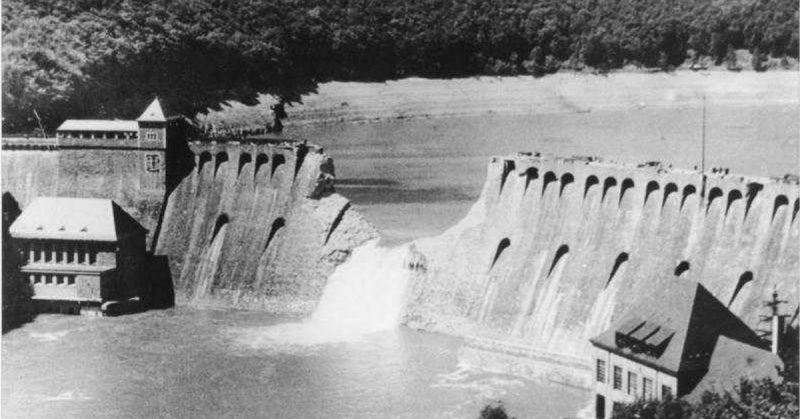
364,295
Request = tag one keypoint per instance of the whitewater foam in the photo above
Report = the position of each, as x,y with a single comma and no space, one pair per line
364,295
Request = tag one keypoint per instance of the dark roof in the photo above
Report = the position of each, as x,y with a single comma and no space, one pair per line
675,328
733,360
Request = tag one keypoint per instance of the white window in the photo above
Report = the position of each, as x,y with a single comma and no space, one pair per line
601,371
632,383
150,135
666,392
647,387
617,378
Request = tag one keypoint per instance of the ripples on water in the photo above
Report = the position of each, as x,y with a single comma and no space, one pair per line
190,363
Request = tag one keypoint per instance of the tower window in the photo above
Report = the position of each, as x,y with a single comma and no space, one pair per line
152,163
150,135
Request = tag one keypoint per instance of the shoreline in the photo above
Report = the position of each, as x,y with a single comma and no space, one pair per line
563,92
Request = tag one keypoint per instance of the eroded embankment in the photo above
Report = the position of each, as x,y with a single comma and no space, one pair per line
257,226
556,249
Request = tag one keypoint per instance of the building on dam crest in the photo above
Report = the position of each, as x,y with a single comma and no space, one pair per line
155,134
79,255
681,345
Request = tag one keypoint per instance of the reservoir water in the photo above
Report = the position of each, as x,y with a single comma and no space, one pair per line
414,178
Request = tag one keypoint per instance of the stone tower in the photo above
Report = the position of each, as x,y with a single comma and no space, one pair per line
153,146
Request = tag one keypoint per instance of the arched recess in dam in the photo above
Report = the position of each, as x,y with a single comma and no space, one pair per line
508,167
609,183
753,188
244,159
733,196
278,224
531,174
203,159
652,186
220,159
549,178
501,247
558,257
618,262
261,160
627,184
713,194
206,269
745,278
796,209
669,188
780,201
592,180
688,191
682,268
566,179
277,161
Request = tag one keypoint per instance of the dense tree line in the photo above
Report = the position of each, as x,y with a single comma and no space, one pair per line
107,58
763,399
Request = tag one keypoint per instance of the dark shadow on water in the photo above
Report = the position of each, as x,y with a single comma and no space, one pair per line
16,292
371,195
366,182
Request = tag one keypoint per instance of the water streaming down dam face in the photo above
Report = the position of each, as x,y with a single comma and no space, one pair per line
556,249
365,294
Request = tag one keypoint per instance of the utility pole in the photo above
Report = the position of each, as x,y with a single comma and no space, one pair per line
776,320
703,155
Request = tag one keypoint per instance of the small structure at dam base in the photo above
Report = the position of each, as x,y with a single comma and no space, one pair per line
80,255
689,344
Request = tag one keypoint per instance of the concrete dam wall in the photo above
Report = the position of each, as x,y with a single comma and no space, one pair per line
257,225
249,225
557,249
98,173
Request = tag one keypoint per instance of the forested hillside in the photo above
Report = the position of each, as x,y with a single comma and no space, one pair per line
108,58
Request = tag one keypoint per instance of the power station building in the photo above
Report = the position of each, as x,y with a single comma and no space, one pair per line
79,254
681,345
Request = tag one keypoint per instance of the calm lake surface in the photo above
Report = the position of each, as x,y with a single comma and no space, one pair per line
213,364
416,177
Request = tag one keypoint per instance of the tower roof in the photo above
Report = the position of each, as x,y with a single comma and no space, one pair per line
153,113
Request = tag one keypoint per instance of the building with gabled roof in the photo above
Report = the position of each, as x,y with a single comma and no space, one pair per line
79,253
671,345
156,137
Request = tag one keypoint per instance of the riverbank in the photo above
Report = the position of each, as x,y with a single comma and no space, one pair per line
337,102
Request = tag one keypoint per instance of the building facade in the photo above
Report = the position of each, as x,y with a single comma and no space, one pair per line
153,135
674,347
79,254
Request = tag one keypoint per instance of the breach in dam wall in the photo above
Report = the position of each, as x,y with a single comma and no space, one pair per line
240,224
257,225
557,249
